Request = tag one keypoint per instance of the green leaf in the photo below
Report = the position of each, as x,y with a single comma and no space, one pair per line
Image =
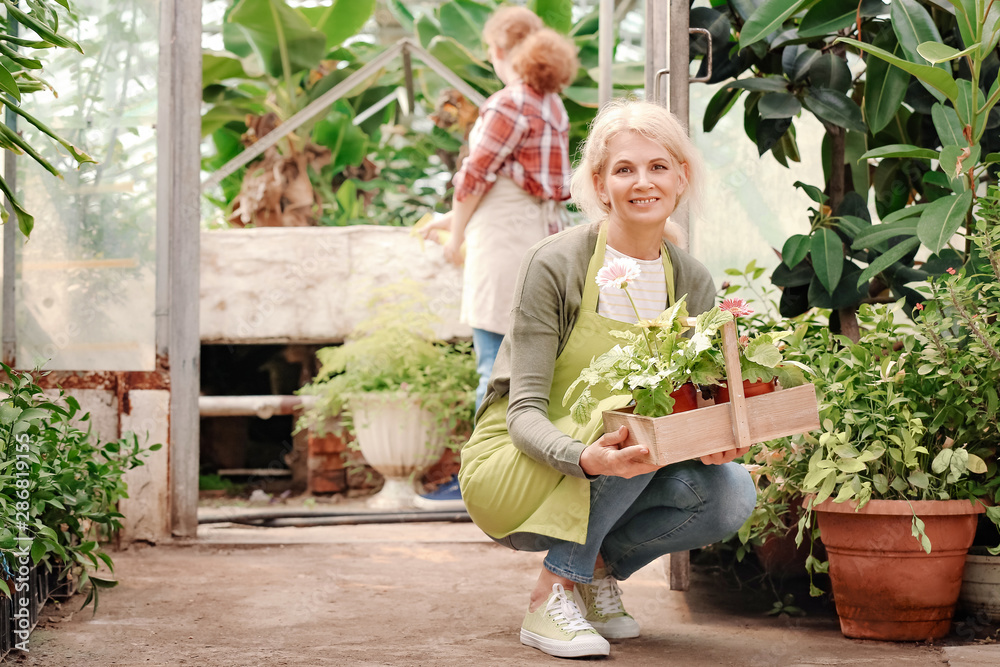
901,150
936,52
216,68
947,125
41,29
426,29
719,106
276,31
77,154
826,17
992,157
976,465
827,257
887,259
942,218
913,26
25,221
340,19
767,18
955,164
770,84
936,78
556,14
831,72
778,105
850,466
795,249
941,461
919,479
37,550
834,107
885,85
8,84
816,194
876,234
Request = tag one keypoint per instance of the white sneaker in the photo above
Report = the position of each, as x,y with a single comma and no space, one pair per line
558,628
602,605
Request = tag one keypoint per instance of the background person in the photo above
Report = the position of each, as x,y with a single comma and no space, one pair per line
534,480
509,188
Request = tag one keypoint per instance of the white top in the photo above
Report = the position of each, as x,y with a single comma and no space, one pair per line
649,292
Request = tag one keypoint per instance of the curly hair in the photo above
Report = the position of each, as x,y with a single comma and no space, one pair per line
546,61
507,27
647,119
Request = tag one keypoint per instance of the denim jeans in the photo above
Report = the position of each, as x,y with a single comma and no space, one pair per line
634,521
486,344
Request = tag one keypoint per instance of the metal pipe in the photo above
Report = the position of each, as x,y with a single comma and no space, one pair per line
299,519
263,407
605,49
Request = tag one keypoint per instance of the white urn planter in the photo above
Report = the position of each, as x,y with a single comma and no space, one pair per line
399,439
981,584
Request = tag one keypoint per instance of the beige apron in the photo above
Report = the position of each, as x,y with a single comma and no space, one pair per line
505,490
506,223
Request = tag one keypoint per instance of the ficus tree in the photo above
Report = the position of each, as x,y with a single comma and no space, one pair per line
906,93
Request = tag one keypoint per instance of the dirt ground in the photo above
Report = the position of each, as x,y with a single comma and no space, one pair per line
407,594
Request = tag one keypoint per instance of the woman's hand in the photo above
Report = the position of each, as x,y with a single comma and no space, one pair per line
719,458
431,229
607,457
453,249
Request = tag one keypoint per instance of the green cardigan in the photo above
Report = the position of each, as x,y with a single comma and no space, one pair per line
546,304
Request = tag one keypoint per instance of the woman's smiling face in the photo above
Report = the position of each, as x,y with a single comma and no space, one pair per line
641,181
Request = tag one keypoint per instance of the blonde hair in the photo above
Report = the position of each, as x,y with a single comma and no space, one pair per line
644,118
544,59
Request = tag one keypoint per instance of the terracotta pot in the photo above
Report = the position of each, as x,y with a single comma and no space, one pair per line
685,398
780,556
885,586
749,389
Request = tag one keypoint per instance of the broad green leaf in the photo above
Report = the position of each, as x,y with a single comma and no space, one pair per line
936,78
771,84
976,465
426,29
852,225
834,107
279,35
826,17
902,213
827,257
913,26
941,219
767,18
458,22
947,125
340,19
850,465
955,163
795,250
887,259
216,68
885,85
901,150
876,234
831,72
936,52
402,14
941,461
778,105
992,157
556,14
719,106
814,193
919,479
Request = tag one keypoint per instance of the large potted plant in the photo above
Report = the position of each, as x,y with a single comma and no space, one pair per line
908,457
403,394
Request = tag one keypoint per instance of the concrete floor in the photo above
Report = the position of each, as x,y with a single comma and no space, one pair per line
409,594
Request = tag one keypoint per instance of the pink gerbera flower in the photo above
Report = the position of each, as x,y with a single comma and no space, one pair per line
736,306
619,273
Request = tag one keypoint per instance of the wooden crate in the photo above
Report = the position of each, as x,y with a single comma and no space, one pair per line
719,428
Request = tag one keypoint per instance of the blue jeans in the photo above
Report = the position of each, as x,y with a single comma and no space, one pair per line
634,521
486,344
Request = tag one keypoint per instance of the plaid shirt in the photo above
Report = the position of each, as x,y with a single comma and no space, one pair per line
524,136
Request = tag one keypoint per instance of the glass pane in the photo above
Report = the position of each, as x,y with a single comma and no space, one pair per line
86,283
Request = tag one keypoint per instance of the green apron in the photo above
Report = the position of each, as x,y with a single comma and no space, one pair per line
505,490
